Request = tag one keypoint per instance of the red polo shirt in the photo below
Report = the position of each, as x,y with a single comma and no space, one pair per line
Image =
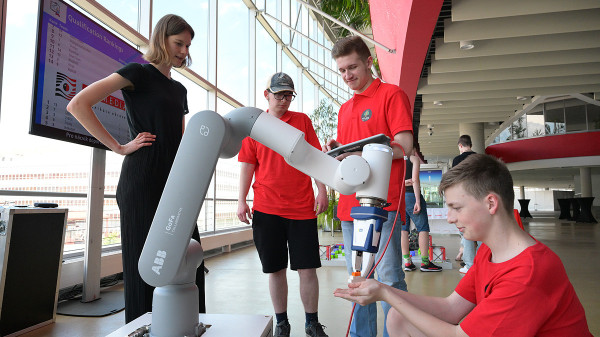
382,108
528,295
280,189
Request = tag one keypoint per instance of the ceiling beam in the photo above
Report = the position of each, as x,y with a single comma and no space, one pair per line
473,103
519,45
523,25
438,120
476,9
517,61
438,128
511,93
471,110
511,84
515,73
498,116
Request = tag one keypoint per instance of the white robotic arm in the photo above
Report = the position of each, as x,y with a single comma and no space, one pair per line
170,257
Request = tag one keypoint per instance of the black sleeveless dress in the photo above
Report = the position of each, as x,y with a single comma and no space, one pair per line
157,105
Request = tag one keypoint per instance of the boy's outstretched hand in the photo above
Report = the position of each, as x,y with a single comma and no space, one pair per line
362,293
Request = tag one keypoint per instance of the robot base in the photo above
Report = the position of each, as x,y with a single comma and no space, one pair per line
175,308
219,325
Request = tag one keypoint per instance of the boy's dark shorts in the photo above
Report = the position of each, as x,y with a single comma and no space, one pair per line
274,234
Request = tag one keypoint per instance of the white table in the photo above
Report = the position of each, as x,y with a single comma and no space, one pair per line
222,325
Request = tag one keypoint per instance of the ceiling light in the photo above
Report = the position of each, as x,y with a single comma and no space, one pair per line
437,103
522,98
466,45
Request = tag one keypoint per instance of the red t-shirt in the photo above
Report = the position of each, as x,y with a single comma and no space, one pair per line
382,108
528,295
280,189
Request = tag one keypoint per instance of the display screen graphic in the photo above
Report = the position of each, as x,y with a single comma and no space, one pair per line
430,181
72,52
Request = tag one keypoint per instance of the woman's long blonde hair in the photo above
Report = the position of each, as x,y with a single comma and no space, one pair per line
168,25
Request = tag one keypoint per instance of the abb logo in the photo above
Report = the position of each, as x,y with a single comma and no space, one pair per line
159,260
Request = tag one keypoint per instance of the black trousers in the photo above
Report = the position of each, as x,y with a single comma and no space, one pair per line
138,294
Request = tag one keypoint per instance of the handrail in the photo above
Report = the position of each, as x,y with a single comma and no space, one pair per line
19,193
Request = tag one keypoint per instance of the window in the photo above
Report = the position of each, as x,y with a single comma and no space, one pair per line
265,64
33,163
195,12
504,135
554,115
575,115
227,180
593,117
519,128
535,122
127,9
290,68
232,63
308,96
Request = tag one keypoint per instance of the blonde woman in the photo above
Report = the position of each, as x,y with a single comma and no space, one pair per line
156,105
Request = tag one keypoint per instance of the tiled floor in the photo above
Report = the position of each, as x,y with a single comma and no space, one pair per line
236,285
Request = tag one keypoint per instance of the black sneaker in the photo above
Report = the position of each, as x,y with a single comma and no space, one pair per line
409,266
282,329
315,329
430,267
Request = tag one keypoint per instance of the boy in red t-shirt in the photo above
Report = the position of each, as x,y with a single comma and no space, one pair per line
284,218
517,285
375,108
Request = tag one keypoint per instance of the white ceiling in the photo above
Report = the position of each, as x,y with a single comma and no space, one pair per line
522,48
562,178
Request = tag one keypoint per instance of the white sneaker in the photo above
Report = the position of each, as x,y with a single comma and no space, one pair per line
463,270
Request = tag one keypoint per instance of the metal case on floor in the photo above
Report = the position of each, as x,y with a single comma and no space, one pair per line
31,249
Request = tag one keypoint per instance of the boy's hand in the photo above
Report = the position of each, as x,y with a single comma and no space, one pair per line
346,154
321,203
417,208
243,212
330,145
363,293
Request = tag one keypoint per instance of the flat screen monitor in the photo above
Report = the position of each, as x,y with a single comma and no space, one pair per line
72,52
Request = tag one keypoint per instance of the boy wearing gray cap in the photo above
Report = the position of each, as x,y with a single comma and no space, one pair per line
283,211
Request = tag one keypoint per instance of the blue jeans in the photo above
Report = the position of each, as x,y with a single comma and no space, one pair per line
389,271
420,220
469,251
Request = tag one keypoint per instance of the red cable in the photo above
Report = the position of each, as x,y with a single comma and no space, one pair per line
402,189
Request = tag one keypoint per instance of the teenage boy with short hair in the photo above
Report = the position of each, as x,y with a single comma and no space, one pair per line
469,247
375,108
517,287
284,219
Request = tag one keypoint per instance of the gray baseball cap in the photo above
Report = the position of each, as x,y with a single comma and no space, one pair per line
280,82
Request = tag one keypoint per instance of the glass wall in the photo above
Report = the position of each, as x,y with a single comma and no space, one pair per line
35,169
266,64
535,122
554,115
195,12
575,117
593,117
232,58
128,10
519,128
558,117
30,163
